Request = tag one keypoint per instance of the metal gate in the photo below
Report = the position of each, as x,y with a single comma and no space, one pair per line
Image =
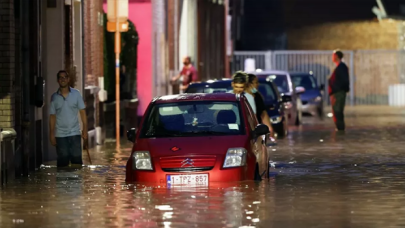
372,72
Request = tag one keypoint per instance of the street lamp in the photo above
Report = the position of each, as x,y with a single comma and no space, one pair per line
117,16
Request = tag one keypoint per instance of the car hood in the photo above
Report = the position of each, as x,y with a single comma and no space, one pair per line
178,146
310,94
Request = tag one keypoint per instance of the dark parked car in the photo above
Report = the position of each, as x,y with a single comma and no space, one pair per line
273,100
312,100
286,86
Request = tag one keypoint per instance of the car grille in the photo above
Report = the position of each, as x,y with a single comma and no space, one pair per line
188,169
193,164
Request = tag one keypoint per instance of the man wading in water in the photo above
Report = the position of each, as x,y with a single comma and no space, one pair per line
64,128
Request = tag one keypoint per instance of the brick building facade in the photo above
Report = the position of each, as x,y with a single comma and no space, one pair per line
351,35
7,64
93,65
93,44
37,39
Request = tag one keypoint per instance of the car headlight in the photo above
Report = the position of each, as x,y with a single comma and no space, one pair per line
276,119
317,99
235,157
141,160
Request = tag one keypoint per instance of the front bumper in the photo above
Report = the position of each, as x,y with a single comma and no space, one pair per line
216,174
310,108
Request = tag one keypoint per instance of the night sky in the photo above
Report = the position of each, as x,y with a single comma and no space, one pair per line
265,21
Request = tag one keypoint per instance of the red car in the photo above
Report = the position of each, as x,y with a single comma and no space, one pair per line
194,139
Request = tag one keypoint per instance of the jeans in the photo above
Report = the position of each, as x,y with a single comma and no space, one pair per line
338,101
69,149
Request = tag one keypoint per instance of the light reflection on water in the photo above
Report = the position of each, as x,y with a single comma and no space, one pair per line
318,179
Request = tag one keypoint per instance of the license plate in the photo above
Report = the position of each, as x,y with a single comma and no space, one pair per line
192,179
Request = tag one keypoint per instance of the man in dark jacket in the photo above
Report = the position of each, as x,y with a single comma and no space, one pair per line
339,85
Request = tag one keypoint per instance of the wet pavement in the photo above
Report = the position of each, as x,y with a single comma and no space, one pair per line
318,179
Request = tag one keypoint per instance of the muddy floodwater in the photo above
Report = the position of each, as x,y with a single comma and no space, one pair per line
318,179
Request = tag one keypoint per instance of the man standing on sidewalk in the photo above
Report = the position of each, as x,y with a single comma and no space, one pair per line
64,128
188,72
338,87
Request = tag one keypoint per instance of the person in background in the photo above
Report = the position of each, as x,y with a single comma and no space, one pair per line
64,128
188,72
339,85
261,112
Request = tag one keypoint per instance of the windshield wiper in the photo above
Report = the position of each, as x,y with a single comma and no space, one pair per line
164,135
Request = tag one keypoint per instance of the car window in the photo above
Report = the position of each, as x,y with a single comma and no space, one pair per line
267,91
306,81
281,82
185,119
192,90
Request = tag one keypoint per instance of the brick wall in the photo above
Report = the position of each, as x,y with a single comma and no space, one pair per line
345,35
375,71
93,46
93,42
375,61
7,61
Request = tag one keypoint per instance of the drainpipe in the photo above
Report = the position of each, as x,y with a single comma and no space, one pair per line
83,46
25,71
226,63
1,155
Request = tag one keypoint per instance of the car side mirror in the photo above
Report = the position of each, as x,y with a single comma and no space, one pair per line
131,134
260,129
300,90
322,87
286,98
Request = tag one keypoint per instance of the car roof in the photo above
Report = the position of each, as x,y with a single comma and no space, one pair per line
196,97
224,82
213,82
300,73
269,72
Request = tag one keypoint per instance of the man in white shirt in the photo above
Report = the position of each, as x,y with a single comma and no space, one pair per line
239,82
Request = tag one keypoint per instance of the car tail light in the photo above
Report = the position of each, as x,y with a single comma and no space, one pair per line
142,161
235,157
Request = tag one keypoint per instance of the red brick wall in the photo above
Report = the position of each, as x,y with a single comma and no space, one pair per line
93,42
93,46
356,35
7,62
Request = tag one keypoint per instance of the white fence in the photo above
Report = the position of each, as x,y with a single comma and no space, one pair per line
372,72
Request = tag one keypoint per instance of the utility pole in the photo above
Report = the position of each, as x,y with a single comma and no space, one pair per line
117,15
226,37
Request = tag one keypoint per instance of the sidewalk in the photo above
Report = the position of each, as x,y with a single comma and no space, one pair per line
370,110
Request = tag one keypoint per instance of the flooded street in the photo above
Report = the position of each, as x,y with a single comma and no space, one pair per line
319,178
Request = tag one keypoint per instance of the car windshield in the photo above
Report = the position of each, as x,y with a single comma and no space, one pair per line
185,119
306,81
281,82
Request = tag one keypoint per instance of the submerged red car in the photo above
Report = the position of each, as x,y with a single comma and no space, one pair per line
194,139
